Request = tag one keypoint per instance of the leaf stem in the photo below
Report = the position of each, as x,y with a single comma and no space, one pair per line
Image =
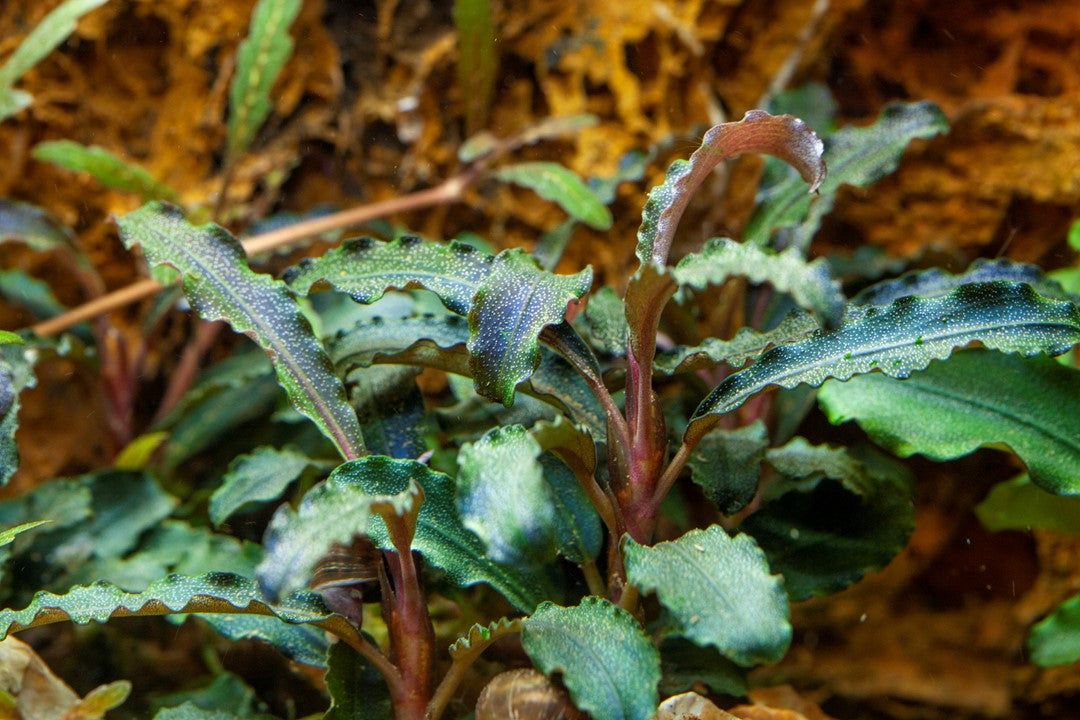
596,583
671,473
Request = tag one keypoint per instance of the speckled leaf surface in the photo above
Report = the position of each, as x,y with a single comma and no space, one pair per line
357,690
440,535
727,465
16,374
935,281
746,345
561,185
605,317
975,399
808,283
607,663
903,337
391,409
718,591
334,512
257,477
103,166
513,304
1055,640
221,286
855,156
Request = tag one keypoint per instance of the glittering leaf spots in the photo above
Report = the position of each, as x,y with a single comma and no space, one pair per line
16,374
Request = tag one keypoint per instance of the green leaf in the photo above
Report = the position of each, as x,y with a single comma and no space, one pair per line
747,345
35,295
366,269
478,59
257,478
900,338
935,281
479,637
1056,639
977,398
605,316
103,166
300,643
8,536
718,591
606,661
782,136
1018,504
259,60
42,40
513,304
440,536
1074,235
685,664
855,156
578,534
213,592
823,536
561,185
391,409
31,225
727,465
808,283
219,284
357,690
16,374
9,338
190,711
334,512
503,464
225,693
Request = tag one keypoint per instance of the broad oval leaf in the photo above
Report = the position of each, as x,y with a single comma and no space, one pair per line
783,136
258,61
1055,640
977,398
219,284
334,512
1019,504
607,663
808,283
727,465
260,476
103,166
440,535
561,185
900,338
718,591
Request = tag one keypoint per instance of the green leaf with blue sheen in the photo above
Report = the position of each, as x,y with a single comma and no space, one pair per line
578,533
978,398
46,36
357,690
746,345
1055,640
935,281
103,166
727,465
258,477
1019,504
333,513
441,537
259,60
857,156
391,409
606,661
808,283
221,286
903,337
718,592
561,185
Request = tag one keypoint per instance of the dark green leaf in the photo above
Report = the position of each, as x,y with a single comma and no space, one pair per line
36,296
440,535
747,345
808,283
606,661
190,711
685,664
903,337
813,103
301,643
35,227
977,398
257,478
478,59
391,409
926,283
822,536
219,283
718,591
16,374
727,465
854,156
605,317
259,60
225,693
561,185
42,40
103,166
783,136
1056,639
1018,504
357,690
577,527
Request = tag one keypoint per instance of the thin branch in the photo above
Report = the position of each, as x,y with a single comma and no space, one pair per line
671,474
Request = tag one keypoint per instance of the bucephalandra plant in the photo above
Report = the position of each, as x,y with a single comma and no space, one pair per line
556,465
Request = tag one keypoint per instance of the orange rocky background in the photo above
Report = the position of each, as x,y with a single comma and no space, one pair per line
939,634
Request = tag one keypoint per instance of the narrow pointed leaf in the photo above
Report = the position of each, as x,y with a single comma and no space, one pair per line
42,40
35,295
441,538
512,306
808,283
935,281
901,338
258,477
727,465
977,398
219,284
1056,639
31,225
8,536
561,185
607,663
1019,504
747,345
718,591
333,512
855,156
357,690
103,166
478,59
783,136
259,60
